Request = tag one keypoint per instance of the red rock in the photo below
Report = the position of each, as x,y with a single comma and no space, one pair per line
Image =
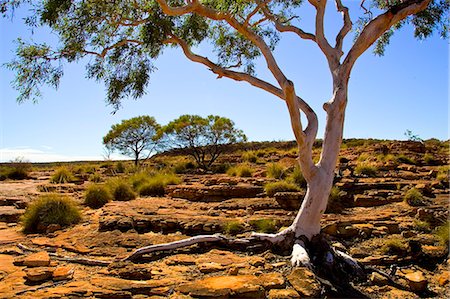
305,283
38,274
39,259
63,273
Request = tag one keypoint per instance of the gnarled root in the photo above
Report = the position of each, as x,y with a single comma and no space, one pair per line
334,268
261,241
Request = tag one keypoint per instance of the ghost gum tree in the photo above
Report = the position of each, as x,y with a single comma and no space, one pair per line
124,37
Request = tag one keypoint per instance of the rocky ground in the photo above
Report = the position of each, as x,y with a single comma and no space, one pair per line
370,217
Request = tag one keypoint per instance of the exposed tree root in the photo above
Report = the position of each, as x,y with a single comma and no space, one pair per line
334,268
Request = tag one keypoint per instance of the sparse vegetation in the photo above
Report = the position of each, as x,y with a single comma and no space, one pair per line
240,170
443,233
366,169
95,178
17,169
233,227
62,175
414,198
276,171
296,177
96,196
264,225
50,209
281,186
406,160
123,192
395,245
249,156
154,186
422,226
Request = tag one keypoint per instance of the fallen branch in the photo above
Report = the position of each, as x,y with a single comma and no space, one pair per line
76,260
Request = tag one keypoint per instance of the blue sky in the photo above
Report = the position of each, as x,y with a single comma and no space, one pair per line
407,89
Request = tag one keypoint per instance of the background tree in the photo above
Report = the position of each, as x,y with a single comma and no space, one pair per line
125,36
135,137
202,138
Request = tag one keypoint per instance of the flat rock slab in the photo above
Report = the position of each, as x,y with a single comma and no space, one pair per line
10,214
213,193
240,286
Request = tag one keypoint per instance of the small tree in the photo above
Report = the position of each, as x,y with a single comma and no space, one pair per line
134,137
202,138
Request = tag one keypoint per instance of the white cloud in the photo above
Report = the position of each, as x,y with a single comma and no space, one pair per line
37,155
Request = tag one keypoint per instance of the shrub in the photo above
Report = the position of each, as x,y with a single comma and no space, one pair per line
95,178
139,179
281,186
152,188
296,177
17,169
155,185
443,173
241,170
123,192
264,225
97,196
50,209
422,226
363,157
406,160
62,175
120,167
276,171
220,167
395,245
249,156
183,166
233,227
443,233
366,169
414,198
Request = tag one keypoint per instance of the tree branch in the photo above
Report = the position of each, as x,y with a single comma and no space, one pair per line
330,53
287,28
311,129
378,26
346,27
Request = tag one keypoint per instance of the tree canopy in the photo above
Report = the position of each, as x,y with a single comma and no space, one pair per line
134,137
125,37
202,137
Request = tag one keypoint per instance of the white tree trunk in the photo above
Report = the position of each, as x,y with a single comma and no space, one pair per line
307,221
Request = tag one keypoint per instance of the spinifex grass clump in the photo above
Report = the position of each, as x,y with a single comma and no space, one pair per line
249,156
97,196
50,209
296,177
414,198
276,171
264,225
62,175
281,186
123,192
242,170
366,169
233,227
154,186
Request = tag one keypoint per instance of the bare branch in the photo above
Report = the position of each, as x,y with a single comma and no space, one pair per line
330,53
287,27
346,27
